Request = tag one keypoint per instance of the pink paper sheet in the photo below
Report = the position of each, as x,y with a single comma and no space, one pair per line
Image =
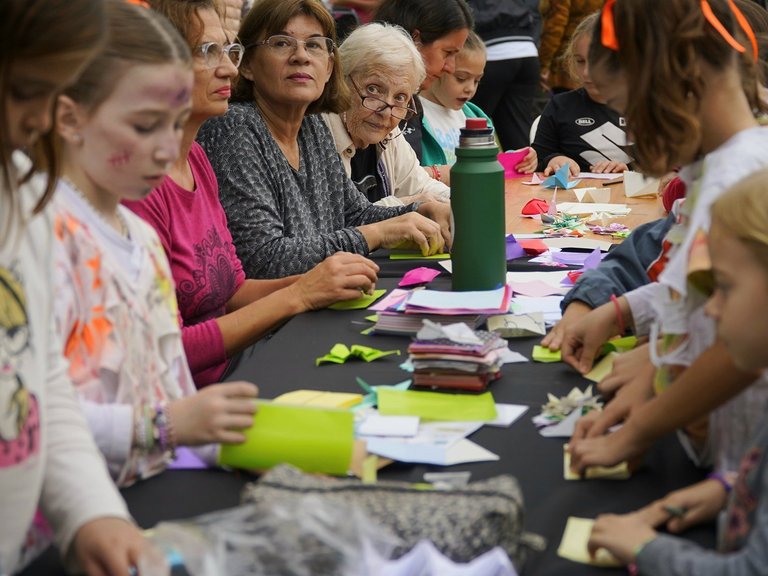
421,275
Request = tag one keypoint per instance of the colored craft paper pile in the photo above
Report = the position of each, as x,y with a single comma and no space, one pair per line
453,303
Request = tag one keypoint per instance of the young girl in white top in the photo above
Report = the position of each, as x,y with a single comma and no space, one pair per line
447,106
47,455
121,127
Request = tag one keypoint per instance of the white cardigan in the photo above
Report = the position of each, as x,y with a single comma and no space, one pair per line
406,176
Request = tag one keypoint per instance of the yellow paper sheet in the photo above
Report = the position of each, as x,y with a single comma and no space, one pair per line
359,303
437,405
320,398
313,439
417,256
602,368
573,546
618,472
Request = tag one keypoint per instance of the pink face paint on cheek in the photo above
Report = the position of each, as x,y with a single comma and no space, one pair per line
120,159
181,97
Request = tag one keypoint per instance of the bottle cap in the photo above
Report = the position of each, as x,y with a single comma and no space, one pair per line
476,133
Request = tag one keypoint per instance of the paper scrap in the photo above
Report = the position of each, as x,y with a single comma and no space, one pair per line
542,354
534,181
517,325
507,414
358,303
395,300
507,356
562,429
186,459
618,472
438,405
462,452
313,439
601,195
378,425
420,275
573,546
574,208
514,249
536,289
637,185
424,559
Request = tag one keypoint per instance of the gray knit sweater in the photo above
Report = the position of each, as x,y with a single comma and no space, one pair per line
285,221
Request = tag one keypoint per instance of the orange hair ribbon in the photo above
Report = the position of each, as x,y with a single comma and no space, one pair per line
740,18
607,28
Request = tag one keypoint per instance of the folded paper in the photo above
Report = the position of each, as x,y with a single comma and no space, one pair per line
421,275
574,545
313,439
514,249
320,398
517,325
618,472
340,353
542,354
560,178
637,185
510,160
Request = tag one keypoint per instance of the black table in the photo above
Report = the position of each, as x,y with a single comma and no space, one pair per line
285,362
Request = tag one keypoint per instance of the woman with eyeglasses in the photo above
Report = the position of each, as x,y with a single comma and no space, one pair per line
222,313
383,70
288,200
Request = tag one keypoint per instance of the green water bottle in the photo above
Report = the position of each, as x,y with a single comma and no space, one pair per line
477,202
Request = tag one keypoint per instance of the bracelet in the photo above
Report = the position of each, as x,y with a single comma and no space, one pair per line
619,316
436,173
163,430
727,486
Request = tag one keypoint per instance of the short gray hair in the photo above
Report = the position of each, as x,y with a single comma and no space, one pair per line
380,45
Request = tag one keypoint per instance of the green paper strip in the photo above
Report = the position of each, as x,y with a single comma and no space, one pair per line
311,438
417,256
359,303
542,354
371,354
339,354
437,405
620,344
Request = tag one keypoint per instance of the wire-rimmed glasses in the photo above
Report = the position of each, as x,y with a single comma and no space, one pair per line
378,105
213,53
283,45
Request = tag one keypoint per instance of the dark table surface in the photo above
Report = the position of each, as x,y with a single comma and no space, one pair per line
286,362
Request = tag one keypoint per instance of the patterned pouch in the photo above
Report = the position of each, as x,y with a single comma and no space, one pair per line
462,523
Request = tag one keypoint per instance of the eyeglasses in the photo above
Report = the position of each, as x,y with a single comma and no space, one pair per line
282,45
213,53
379,105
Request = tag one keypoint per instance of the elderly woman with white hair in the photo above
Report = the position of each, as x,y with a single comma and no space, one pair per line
383,69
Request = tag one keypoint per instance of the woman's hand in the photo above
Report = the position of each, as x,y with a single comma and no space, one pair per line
681,509
439,212
108,546
217,413
406,231
620,535
557,162
574,312
528,164
608,167
342,276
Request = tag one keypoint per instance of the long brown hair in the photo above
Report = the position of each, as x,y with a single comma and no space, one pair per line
137,35
50,32
268,17
661,48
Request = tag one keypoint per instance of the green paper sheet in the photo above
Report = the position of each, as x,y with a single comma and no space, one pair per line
437,405
542,354
417,256
313,439
359,303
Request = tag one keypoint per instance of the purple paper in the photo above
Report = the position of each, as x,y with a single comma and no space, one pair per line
514,250
570,258
510,160
421,275
593,260
186,460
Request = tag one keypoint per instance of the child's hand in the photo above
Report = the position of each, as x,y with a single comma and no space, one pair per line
582,340
681,509
528,164
620,535
108,546
217,413
574,312
627,367
608,167
557,162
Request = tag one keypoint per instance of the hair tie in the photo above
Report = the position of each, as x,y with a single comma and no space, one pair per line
607,27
